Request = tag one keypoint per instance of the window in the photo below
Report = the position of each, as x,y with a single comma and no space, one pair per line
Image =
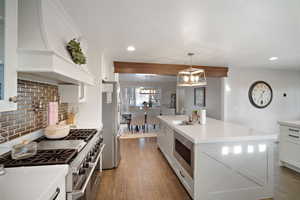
149,95
137,96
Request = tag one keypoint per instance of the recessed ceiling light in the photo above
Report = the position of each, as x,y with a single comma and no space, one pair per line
273,58
130,48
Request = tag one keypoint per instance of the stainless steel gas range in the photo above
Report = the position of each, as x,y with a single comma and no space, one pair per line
81,150
85,171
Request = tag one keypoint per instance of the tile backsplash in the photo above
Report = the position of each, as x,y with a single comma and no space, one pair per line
26,119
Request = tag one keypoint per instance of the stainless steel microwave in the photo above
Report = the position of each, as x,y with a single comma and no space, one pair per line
184,153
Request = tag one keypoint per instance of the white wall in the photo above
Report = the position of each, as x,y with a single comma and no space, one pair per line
107,68
213,98
90,112
238,108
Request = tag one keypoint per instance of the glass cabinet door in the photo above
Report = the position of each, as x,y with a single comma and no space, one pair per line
8,54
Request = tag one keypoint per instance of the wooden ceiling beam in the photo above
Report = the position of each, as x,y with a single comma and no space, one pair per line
165,69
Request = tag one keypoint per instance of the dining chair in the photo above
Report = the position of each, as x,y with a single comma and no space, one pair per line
137,123
153,122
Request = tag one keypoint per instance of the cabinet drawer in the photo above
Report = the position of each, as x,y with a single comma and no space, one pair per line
184,177
58,191
290,134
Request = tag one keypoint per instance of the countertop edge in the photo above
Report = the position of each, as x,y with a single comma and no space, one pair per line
273,137
289,124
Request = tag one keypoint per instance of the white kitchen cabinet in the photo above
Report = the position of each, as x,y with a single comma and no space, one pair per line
58,191
34,183
184,177
8,54
289,147
165,141
107,71
107,68
160,136
169,141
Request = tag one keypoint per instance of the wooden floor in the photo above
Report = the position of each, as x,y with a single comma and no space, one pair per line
144,174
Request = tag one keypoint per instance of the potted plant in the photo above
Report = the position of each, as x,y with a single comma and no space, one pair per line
76,53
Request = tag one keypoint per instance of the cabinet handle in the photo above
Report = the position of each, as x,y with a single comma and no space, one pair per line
294,130
13,99
294,136
55,195
181,174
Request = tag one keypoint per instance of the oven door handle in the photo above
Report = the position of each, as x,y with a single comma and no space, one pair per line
76,194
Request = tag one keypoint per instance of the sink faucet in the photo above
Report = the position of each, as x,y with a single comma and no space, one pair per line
2,170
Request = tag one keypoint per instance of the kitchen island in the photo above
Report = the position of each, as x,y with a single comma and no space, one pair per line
218,160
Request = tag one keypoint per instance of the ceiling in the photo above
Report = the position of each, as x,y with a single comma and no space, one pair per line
146,78
234,33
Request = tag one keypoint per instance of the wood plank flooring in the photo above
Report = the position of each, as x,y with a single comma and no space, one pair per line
144,174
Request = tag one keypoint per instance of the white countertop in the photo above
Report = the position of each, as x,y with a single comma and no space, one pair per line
295,124
215,131
30,183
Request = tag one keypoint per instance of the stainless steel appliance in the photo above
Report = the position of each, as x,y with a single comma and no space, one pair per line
184,153
111,126
85,171
83,154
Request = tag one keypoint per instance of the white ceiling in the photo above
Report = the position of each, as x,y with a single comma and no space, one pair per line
234,33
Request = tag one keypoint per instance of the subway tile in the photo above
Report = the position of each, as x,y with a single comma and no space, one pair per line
24,120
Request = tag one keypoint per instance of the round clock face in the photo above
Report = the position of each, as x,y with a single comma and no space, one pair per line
260,94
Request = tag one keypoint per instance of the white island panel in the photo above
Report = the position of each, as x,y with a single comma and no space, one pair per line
230,161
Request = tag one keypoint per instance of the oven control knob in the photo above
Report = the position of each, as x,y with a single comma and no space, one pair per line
81,171
86,165
88,159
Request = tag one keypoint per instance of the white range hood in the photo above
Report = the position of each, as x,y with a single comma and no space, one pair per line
43,32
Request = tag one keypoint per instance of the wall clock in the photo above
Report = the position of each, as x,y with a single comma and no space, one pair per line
260,94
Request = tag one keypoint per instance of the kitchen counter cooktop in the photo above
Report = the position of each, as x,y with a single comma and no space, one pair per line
32,183
215,131
295,124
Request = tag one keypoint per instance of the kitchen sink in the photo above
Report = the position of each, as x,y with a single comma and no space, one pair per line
182,123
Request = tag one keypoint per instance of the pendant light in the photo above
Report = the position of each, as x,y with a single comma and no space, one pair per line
191,77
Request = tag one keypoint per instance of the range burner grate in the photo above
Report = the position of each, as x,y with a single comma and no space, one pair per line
42,157
75,134
81,134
